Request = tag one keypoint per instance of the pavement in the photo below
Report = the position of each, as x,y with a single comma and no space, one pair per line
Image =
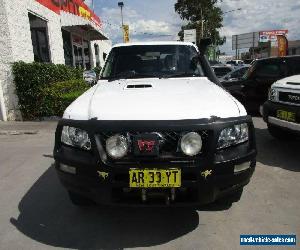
37,214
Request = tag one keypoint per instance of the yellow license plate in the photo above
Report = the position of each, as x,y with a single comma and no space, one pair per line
154,178
286,115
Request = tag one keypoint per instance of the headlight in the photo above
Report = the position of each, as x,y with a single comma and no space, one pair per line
272,94
191,144
117,146
233,135
75,137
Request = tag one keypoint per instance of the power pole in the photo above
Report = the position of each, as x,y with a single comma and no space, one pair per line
121,5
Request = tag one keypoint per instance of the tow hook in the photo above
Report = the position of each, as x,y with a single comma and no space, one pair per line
144,195
173,194
167,200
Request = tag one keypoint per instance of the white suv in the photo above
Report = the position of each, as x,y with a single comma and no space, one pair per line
157,129
282,110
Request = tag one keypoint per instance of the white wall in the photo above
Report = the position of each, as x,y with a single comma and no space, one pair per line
16,44
6,58
104,47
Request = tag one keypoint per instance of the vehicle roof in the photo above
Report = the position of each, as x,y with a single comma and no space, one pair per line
154,43
277,58
294,78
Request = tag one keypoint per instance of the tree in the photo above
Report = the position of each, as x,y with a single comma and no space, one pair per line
204,16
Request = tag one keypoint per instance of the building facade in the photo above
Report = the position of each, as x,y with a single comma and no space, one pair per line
294,47
50,31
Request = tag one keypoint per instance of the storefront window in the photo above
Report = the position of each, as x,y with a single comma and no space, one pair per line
78,56
96,49
87,60
39,37
81,50
97,55
68,53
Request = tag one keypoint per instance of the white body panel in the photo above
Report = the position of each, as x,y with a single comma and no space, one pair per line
283,83
166,99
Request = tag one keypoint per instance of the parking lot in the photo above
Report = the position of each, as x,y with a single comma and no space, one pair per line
37,214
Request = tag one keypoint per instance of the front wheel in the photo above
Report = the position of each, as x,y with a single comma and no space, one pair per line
79,200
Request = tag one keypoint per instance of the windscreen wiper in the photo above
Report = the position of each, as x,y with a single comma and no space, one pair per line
182,74
130,74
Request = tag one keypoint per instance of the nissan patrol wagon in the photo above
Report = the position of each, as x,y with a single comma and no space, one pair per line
156,130
282,110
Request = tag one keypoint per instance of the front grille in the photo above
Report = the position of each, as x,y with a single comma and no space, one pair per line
168,142
293,98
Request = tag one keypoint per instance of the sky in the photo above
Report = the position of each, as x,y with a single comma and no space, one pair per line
152,20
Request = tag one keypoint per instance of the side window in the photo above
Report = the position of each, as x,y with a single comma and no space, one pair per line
268,70
108,65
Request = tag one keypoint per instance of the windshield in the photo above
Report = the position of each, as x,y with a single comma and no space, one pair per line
152,61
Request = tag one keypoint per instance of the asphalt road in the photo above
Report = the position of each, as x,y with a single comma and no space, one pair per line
35,212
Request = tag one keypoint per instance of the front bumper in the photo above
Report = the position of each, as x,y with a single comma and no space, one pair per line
270,116
109,184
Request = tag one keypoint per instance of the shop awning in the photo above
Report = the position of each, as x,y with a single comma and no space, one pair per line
87,28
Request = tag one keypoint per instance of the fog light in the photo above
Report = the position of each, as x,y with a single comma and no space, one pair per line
242,167
67,169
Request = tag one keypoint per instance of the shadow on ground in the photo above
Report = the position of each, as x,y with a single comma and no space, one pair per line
47,216
277,153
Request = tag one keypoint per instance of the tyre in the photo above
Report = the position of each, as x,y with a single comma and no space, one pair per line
279,133
234,196
79,200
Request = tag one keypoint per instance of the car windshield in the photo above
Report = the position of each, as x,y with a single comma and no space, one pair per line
152,61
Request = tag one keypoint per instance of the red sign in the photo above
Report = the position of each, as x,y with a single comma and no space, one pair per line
146,146
76,7
273,32
271,35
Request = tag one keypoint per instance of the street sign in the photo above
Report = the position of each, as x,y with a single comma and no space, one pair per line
126,33
190,36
